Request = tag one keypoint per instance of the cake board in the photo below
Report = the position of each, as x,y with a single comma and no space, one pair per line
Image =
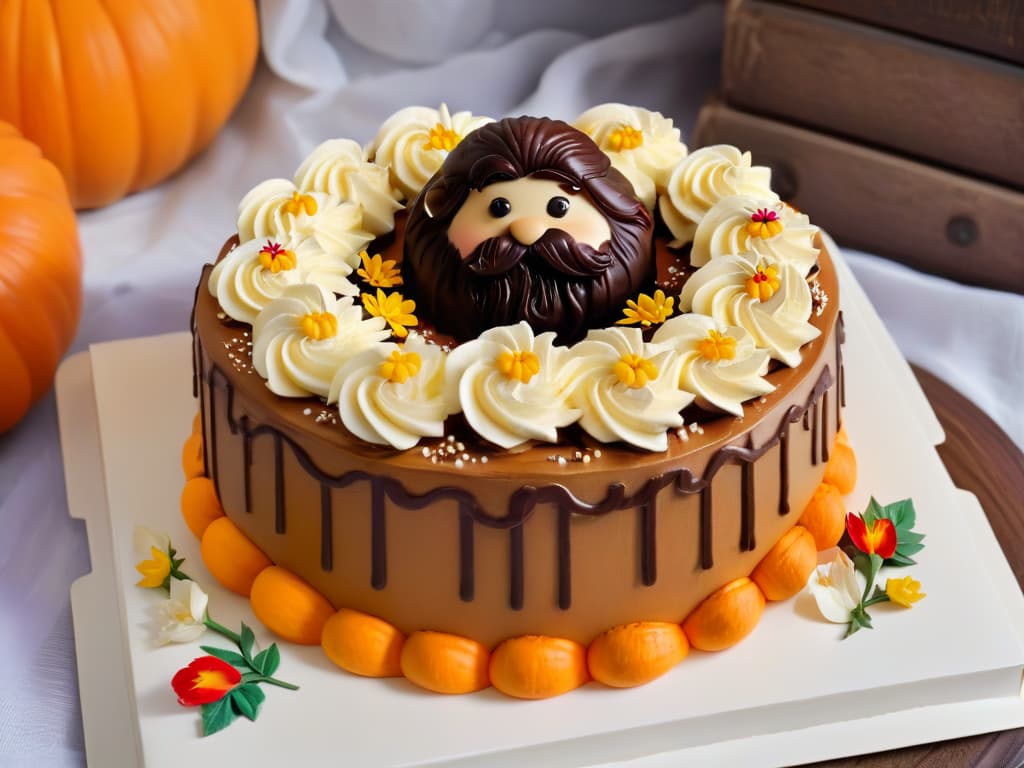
790,693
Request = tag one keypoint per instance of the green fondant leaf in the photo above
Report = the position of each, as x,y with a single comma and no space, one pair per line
218,715
267,661
900,561
873,512
225,655
901,513
246,642
246,700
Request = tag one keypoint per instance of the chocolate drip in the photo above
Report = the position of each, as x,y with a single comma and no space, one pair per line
202,410
326,529
279,521
841,370
378,535
564,561
210,449
525,499
246,463
814,433
467,587
648,541
784,466
824,427
807,420
515,566
747,508
706,558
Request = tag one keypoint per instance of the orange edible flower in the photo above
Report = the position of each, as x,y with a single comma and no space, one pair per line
276,258
717,346
625,137
442,138
763,284
320,325
521,365
648,310
635,371
764,223
400,367
879,539
300,203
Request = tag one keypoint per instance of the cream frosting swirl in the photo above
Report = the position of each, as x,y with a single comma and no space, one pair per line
721,364
644,139
393,394
414,142
301,338
627,389
757,228
278,211
703,178
771,301
511,386
643,185
339,167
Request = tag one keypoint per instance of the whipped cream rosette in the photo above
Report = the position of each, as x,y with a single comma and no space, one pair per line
703,178
278,211
637,137
770,300
392,394
511,386
757,227
301,339
643,185
413,143
627,389
721,365
339,167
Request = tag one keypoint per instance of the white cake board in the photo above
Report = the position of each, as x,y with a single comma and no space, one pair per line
790,693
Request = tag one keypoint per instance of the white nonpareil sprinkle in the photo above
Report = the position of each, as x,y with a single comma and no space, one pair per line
459,464
483,459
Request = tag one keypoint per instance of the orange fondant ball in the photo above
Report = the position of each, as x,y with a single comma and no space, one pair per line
825,516
841,470
288,606
726,617
537,667
445,663
192,456
200,505
197,422
784,570
634,654
842,437
363,644
231,557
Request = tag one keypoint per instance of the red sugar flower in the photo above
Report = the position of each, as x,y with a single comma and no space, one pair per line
879,540
205,680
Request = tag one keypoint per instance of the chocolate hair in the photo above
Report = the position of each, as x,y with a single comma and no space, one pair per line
556,284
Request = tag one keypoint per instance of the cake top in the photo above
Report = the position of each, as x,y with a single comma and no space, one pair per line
522,288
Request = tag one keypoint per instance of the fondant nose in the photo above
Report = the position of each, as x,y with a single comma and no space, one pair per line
527,230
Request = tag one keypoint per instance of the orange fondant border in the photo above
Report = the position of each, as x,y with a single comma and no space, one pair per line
527,667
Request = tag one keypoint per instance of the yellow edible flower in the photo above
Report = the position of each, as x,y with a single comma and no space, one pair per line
400,366
154,571
379,273
635,371
717,346
394,308
319,325
521,365
905,591
764,223
763,283
648,310
300,203
275,258
625,137
442,138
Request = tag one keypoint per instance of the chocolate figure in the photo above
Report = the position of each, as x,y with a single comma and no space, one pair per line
527,220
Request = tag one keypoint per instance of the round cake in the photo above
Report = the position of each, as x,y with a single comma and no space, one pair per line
522,379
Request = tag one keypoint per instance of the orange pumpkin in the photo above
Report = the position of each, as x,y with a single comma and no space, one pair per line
120,94
40,273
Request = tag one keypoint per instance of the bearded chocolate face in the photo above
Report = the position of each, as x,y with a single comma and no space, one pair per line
527,220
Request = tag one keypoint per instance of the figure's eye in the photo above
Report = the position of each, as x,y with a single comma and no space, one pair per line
558,207
500,207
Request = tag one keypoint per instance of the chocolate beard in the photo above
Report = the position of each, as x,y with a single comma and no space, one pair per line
555,284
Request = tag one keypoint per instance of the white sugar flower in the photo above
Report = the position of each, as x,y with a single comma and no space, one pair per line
511,386
145,539
721,364
393,394
771,301
181,617
836,588
627,389
301,339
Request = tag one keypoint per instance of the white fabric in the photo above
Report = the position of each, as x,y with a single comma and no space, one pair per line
143,254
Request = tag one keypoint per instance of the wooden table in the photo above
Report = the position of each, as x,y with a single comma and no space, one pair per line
981,459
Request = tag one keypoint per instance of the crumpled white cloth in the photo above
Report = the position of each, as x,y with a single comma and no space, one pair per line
338,68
